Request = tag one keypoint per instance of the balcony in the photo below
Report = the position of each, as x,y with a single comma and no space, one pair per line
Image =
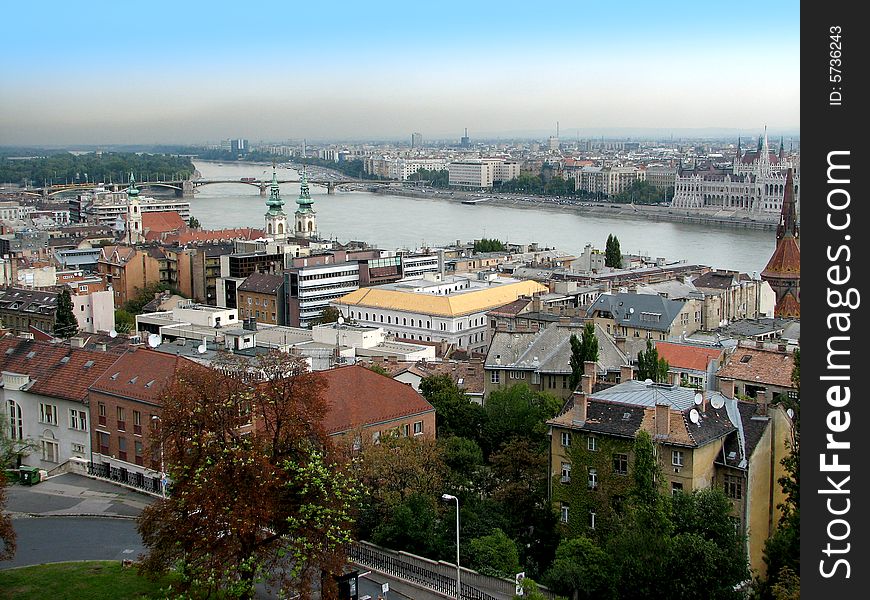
122,426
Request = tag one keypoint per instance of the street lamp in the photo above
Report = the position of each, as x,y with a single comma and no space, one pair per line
448,498
156,419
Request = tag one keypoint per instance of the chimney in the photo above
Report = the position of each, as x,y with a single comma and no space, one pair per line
782,347
626,373
705,400
759,344
762,399
102,346
580,405
726,387
663,420
620,343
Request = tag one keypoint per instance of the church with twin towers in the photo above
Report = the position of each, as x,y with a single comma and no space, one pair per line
305,218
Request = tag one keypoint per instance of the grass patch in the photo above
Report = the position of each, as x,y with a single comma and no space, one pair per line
94,580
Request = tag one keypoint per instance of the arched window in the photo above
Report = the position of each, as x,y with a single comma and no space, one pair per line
280,228
269,228
16,423
310,226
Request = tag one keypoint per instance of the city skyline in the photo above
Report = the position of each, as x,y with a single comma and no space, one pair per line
179,74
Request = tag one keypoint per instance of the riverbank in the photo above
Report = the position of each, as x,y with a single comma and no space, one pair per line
626,211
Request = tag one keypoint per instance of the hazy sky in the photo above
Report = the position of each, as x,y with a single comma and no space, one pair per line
177,72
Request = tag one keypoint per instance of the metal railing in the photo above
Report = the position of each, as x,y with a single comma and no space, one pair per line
133,479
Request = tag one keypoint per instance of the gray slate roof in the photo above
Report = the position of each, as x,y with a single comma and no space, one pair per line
642,394
638,310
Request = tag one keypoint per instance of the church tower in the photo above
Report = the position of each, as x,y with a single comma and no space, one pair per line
306,217
783,270
134,234
276,218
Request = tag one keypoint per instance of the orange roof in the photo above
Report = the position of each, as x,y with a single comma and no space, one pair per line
197,235
57,371
684,356
162,221
786,260
788,307
140,375
758,365
359,397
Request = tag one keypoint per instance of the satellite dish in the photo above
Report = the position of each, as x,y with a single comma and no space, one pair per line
648,381
631,310
154,340
790,413
113,334
341,320
694,416
699,398
717,402
201,348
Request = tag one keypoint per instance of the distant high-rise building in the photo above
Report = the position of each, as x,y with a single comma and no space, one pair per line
416,140
239,146
464,141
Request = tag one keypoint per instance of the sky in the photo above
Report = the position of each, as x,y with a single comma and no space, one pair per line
191,72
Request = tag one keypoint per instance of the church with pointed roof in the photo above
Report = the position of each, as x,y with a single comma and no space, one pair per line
306,216
783,270
276,218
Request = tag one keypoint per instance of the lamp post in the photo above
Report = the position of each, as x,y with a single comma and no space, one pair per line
156,419
448,498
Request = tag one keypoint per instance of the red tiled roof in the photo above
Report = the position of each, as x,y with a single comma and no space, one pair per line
788,307
786,260
162,221
140,375
357,397
197,235
757,365
684,356
57,371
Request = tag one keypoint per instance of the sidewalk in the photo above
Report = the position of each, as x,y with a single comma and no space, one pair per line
71,494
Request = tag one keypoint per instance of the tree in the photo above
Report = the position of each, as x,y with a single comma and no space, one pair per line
258,489
495,555
330,314
651,366
7,532
583,349
193,223
124,321
379,369
517,412
582,570
488,245
65,324
612,253
455,413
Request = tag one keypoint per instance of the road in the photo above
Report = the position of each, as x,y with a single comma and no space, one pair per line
58,539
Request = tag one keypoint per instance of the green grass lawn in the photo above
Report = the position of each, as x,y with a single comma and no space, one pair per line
93,580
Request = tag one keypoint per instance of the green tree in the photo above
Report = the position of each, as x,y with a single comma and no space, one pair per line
7,532
330,314
193,223
495,555
651,366
65,324
583,349
455,413
379,369
410,526
515,412
124,321
582,571
488,245
612,253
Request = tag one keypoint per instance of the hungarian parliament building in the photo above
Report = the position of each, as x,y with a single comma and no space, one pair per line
753,186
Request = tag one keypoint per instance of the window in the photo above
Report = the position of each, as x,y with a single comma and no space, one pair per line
592,443
101,412
418,428
137,422
566,438
495,377
16,424
119,412
563,512
566,472
376,437
676,488
47,413
122,447
78,419
677,458
104,442
138,448
592,479
734,487
591,519
78,449
620,464
49,450
406,430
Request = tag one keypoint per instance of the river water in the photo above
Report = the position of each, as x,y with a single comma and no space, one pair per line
391,222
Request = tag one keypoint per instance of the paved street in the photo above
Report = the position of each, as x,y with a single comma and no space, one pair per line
72,494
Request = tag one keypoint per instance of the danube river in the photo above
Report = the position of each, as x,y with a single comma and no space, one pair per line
391,222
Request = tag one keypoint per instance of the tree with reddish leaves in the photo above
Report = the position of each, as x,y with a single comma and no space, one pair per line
7,533
258,491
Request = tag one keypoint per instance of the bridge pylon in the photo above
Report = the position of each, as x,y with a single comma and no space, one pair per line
330,187
186,189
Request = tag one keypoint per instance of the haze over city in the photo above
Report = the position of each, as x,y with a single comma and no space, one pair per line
112,73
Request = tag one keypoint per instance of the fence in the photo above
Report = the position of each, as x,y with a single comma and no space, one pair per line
437,576
133,479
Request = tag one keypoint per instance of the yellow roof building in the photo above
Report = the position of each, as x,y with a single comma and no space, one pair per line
465,302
